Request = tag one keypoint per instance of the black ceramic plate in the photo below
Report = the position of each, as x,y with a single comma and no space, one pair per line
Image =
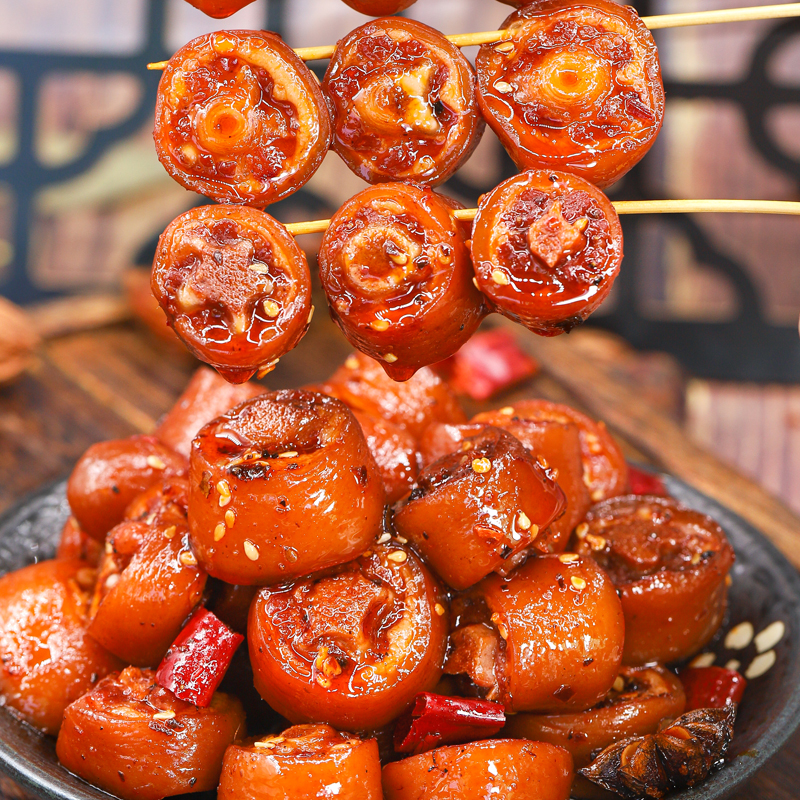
765,590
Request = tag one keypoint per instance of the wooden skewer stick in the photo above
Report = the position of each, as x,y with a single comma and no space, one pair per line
624,207
654,23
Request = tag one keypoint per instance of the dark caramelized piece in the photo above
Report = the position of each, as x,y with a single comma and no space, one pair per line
680,756
47,658
405,103
110,475
476,509
305,761
240,118
669,565
133,739
397,274
235,288
281,486
219,9
547,247
605,471
641,698
502,768
574,87
352,647
149,580
547,638
206,396
379,8
412,405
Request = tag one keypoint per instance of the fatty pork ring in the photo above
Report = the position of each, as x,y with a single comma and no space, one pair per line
547,248
282,485
303,761
546,638
573,87
136,740
670,566
235,288
351,647
240,118
405,103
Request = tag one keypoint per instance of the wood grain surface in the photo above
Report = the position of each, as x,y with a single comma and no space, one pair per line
114,382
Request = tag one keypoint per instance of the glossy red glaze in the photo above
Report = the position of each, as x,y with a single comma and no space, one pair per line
547,247
302,763
476,509
398,277
206,396
547,638
219,9
412,405
240,118
351,647
557,444
379,8
712,687
133,739
395,452
669,565
641,698
110,475
47,659
489,363
574,87
605,471
75,544
235,288
503,768
280,486
198,659
149,580
436,720
404,101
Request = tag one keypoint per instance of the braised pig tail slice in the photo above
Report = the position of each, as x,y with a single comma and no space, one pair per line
219,9
397,274
240,118
304,761
136,740
235,288
547,248
352,647
574,87
405,103
280,486
669,564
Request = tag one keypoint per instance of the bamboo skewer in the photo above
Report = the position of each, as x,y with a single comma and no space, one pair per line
624,207
659,22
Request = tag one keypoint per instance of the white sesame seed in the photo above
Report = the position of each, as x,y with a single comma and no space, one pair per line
568,558
169,533
597,495
379,325
384,537
310,316
597,543
734,665
398,556
503,87
268,745
155,462
109,548
582,530
164,715
259,268
504,47
187,559
619,683
390,358
288,454
401,259
507,411
760,664
271,308
351,362
439,609
475,282
230,517
219,532
499,277
770,636
224,488
401,539
481,465
224,500
739,636
250,550
523,522
703,660
578,583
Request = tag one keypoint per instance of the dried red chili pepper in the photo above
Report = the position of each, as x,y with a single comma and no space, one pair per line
642,482
712,687
240,118
219,9
574,87
397,274
547,247
196,663
235,288
487,364
405,103
436,720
